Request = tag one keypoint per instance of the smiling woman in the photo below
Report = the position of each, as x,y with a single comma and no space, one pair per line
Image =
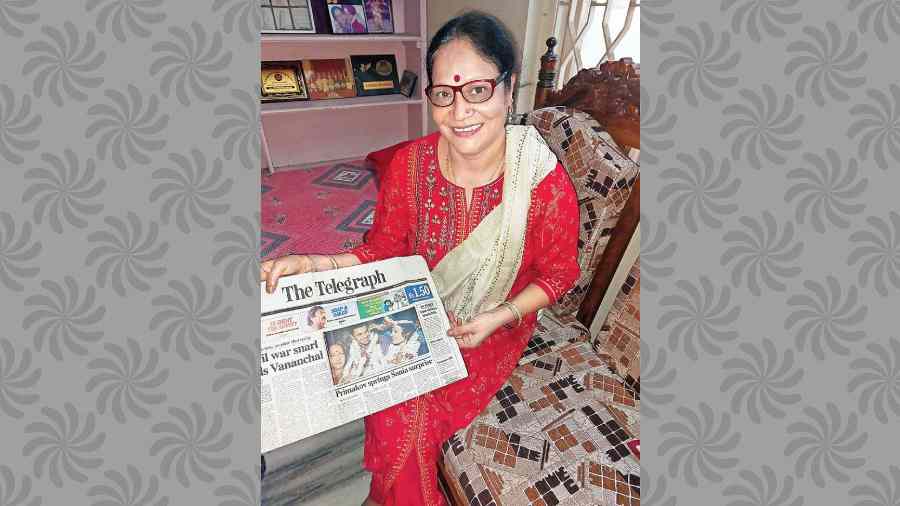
481,55
475,189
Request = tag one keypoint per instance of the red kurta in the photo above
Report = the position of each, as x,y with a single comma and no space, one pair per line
419,212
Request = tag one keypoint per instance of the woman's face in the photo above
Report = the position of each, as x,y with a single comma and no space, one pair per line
457,63
397,335
337,357
318,319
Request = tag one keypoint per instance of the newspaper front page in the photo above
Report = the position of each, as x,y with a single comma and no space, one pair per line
338,345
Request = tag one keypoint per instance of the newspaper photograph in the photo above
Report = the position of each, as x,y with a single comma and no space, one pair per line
338,345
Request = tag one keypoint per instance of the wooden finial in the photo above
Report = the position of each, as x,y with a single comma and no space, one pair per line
551,43
547,74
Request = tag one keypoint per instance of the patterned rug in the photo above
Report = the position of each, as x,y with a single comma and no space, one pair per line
322,209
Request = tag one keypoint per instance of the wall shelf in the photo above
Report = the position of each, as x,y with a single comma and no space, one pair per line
269,108
319,38
301,133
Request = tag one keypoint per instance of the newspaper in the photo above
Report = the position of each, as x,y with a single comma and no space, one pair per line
341,344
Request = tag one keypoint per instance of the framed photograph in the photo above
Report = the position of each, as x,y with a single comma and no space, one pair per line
287,16
375,74
379,17
330,78
281,81
408,83
347,16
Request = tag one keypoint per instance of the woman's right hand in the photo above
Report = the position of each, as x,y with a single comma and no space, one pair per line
454,321
271,270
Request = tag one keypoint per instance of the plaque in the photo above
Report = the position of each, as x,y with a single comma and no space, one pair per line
379,18
408,83
282,81
347,16
330,78
375,74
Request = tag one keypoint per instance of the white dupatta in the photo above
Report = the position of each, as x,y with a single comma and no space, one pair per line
478,274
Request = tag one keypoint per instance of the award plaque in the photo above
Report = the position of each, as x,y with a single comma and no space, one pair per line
330,78
282,81
375,74
408,83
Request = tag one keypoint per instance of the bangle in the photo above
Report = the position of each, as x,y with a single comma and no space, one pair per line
515,311
312,263
334,264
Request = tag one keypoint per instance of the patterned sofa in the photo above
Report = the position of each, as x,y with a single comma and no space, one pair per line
565,429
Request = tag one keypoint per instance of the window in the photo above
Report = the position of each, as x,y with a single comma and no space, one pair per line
594,46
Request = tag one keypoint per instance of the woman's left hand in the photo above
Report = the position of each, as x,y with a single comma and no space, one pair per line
473,332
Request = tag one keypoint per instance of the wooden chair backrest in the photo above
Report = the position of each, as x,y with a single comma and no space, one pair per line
610,93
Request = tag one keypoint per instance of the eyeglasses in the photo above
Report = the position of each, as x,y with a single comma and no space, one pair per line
474,92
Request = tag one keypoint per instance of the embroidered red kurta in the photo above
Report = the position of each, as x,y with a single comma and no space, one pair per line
420,212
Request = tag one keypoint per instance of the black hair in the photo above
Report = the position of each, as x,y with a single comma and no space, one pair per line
490,37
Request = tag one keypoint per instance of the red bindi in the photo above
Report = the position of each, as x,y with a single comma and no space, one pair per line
456,78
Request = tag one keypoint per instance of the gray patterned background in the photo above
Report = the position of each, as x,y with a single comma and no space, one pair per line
128,242
128,246
770,252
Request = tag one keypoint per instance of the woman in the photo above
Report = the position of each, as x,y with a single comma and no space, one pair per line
496,219
337,358
403,344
